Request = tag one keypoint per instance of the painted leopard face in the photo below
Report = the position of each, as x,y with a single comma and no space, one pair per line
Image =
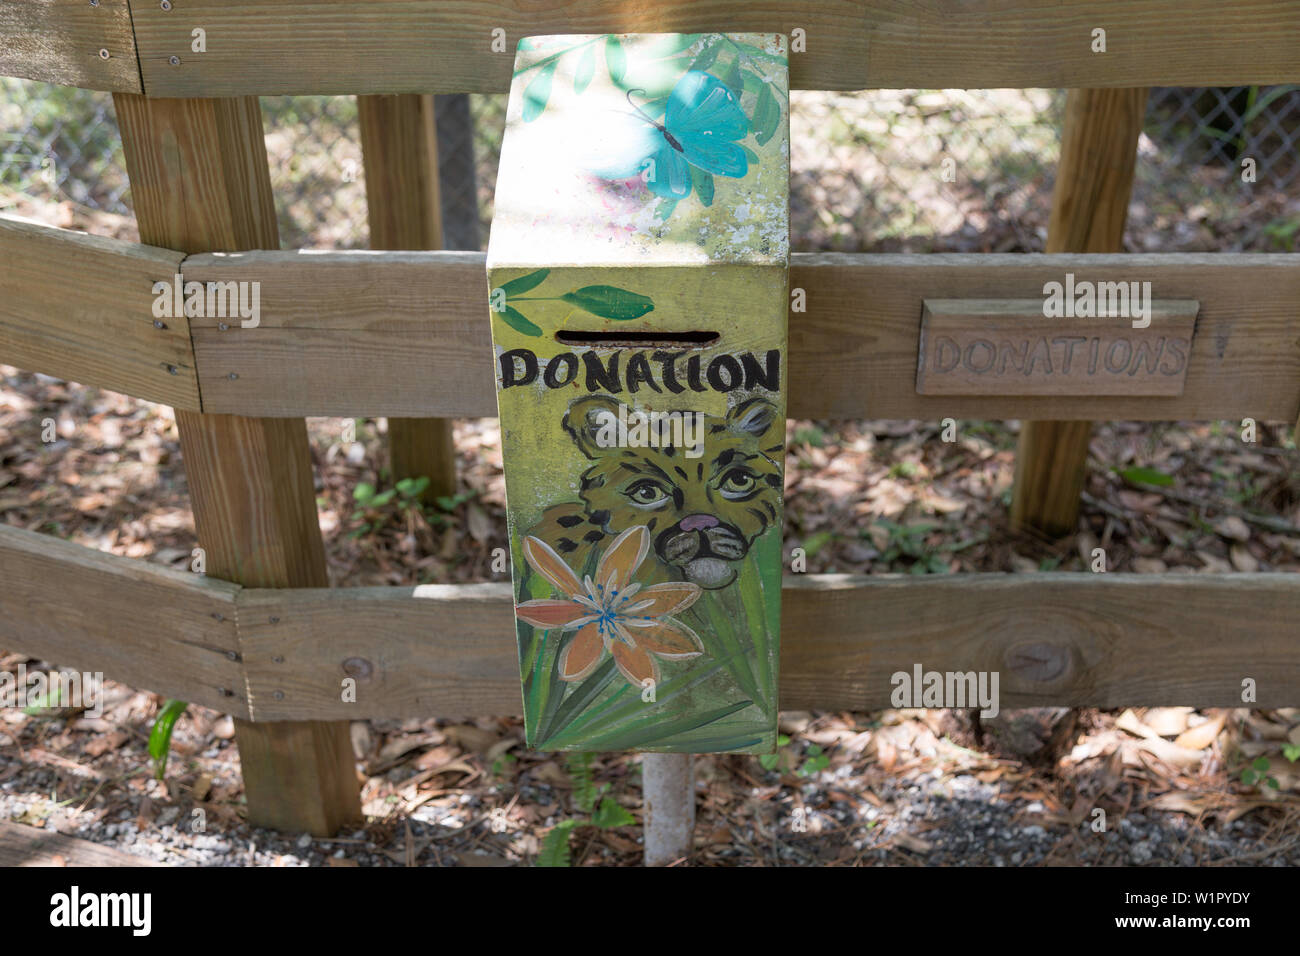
703,512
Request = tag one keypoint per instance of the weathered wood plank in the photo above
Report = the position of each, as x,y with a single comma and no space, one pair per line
200,181
148,626
1090,199
81,307
361,333
1061,639
1104,640
29,846
421,46
399,140
65,42
1008,347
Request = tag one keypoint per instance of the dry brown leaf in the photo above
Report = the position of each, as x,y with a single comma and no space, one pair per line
1242,559
1232,528
1167,721
471,738
202,786
98,746
1202,736
224,728
914,843
1129,721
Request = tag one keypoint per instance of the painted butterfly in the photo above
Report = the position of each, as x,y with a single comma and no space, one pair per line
702,120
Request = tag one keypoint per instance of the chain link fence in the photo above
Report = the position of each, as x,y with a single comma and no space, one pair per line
882,170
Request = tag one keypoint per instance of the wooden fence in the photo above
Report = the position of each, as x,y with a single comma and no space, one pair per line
403,333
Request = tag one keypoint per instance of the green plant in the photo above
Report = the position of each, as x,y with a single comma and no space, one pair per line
773,761
1257,773
809,435
602,811
372,504
455,501
906,544
1145,476
44,702
816,758
499,765
160,735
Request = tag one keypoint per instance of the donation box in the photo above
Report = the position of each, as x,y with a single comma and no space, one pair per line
637,274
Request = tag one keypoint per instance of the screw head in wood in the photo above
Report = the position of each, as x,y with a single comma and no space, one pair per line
278,695
103,54
232,376
173,370
222,327
174,60
159,324
166,4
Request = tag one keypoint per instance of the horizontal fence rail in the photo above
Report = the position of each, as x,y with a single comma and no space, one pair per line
1065,639
449,46
406,334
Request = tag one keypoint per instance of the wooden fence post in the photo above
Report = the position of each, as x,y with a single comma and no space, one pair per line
400,145
1094,180
200,182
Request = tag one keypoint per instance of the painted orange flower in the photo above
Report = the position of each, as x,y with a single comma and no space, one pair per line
612,613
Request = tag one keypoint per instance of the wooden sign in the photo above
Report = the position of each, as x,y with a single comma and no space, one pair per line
638,270
1010,347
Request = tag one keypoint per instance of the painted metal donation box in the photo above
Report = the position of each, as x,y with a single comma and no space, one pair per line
637,273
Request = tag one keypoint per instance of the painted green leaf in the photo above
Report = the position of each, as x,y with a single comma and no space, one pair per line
610,814
585,71
702,180
752,50
665,731
538,91
608,302
767,115
749,154
1146,476
525,283
706,57
519,322
615,59
733,79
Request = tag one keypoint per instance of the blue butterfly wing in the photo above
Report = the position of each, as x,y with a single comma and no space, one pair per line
714,154
671,175
701,101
